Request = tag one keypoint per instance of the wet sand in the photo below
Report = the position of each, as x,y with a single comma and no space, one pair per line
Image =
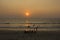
20,35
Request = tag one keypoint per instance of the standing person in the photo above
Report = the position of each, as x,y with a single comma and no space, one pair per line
36,28
28,28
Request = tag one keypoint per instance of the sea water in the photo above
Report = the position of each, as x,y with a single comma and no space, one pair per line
23,22
16,22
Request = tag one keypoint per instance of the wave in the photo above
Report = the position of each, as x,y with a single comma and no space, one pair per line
29,23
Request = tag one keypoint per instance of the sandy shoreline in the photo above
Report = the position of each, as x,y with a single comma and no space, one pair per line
39,29
20,35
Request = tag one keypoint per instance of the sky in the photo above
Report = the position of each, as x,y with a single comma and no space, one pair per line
36,8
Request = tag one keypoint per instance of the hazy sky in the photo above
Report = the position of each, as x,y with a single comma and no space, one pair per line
36,8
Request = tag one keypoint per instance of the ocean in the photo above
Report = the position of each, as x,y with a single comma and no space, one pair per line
11,29
42,23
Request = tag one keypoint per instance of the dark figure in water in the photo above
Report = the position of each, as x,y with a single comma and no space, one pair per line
33,25
35,29
28,26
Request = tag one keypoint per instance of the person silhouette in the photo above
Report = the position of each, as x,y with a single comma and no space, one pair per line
28,26
36,28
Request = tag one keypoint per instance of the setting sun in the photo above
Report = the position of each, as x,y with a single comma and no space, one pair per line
27,14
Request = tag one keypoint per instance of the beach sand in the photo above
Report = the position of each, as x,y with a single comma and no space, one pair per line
20,35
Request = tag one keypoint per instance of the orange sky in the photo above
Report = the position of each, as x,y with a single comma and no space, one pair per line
37,8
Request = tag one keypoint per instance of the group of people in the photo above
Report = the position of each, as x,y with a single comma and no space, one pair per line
35,28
